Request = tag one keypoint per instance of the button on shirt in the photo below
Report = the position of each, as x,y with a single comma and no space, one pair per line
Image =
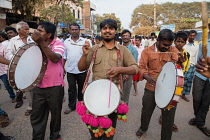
192,49
201,55
73,54
14,44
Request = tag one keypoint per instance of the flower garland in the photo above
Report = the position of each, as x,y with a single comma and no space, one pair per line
101,125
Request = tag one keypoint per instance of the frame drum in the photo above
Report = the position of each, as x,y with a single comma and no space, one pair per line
101,97
166,85
27,67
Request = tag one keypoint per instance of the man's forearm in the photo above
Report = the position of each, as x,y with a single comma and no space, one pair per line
131,70
54,57
82,63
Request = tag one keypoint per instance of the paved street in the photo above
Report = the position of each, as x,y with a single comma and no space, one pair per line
73,129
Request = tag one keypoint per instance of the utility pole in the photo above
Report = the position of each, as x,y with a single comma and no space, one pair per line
155,21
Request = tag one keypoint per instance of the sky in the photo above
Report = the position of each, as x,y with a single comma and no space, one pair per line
123,9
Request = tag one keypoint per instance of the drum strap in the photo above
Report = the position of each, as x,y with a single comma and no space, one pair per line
89,70
120,75
91,66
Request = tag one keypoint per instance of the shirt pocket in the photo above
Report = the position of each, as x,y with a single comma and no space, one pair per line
153,62
97,64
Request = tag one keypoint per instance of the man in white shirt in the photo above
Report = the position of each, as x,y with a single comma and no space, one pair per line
72,55
192,49
152,40
14,44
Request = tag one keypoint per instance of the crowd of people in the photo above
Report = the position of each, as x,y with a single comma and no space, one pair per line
125,60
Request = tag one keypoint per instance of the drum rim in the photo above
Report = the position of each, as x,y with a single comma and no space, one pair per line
110,112
14,62
174,89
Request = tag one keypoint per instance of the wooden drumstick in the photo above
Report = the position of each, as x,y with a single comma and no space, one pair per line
205,36
204,29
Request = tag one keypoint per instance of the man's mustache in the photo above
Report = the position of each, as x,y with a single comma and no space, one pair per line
107,33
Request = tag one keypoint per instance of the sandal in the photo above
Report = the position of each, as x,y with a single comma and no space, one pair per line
67,111
4,120
205,130
19,104
192,121
175,128
28,112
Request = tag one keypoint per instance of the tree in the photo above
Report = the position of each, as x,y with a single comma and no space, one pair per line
28,8
99,19
183,15
57,13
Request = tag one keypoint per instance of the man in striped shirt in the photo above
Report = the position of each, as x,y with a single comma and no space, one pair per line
48,95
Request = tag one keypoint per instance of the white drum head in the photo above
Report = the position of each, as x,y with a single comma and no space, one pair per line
27,69
96,97
166,85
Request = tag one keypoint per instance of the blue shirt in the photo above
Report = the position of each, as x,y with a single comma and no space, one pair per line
134,51
201,55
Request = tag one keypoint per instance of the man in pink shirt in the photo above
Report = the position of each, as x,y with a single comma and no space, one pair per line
48,95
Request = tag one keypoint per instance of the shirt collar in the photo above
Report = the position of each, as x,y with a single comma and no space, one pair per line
80,38
53,41
116,45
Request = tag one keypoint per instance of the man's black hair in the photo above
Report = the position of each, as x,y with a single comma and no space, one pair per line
193,31
181,34
166,34
4,35
74,24
126,31
138,37
10,28
49,28
110,22
153,34
98,37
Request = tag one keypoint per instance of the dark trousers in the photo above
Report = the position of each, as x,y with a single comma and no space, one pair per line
75,82
127,89
148,106
4,79
201,100
19,96
45,100
113,117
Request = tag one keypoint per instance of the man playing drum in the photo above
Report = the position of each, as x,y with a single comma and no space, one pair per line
48,95
105,65
152,60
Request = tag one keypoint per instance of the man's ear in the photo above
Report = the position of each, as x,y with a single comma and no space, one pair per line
49,35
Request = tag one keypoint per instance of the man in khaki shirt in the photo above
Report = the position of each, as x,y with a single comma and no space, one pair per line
106,61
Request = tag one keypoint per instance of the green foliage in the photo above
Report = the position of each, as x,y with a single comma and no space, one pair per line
183,15
57,13
99,19
26,8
